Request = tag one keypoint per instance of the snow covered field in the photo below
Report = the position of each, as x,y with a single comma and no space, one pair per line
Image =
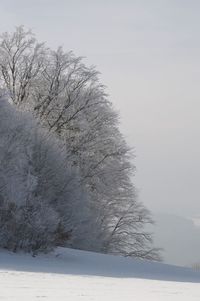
76,275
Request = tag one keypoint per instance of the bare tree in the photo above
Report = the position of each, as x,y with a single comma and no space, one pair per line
21,59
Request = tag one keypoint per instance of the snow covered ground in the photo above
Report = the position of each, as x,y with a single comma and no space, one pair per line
76,275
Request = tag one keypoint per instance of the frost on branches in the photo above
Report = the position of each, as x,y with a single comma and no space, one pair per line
39,193
82,173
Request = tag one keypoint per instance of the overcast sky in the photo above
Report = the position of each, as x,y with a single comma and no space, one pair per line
149,55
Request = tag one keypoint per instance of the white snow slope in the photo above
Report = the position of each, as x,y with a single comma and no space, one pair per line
75,275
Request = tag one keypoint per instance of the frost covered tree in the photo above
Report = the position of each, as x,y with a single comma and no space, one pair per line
67,98
40,197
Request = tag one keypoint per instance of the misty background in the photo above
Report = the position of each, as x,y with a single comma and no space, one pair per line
148,56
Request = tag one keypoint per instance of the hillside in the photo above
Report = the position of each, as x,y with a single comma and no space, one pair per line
68,274
174,242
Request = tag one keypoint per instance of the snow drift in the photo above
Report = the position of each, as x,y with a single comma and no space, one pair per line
76,262
68,274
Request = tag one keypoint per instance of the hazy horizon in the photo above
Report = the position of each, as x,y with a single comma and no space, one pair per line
147,53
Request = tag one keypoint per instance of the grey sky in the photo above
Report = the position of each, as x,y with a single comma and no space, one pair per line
148,54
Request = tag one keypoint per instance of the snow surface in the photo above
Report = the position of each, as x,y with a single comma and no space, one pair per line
75,275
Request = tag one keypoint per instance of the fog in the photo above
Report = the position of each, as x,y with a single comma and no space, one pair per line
148,56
